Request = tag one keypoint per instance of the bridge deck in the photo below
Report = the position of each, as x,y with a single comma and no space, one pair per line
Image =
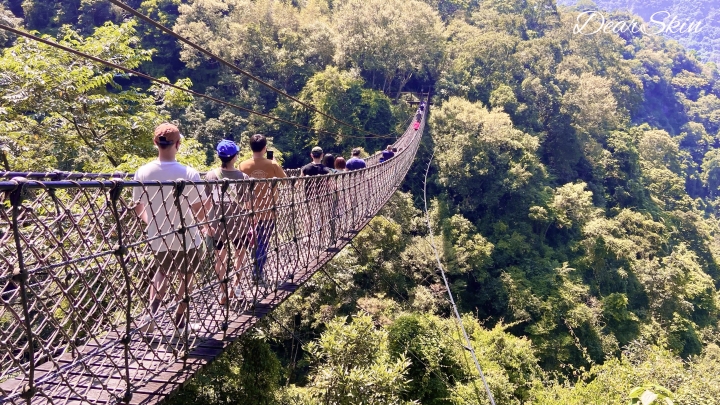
92,380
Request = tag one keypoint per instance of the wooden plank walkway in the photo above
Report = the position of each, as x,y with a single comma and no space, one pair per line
98,377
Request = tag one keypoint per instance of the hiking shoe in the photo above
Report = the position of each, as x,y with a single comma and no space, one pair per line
148,324
262,284
193,329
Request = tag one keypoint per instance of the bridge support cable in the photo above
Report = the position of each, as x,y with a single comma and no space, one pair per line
469,346
176,87
234,67
76,320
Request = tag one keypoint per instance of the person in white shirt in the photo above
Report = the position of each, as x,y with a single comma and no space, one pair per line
155,205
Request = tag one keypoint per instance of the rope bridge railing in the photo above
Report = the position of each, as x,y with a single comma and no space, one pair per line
59,175
77,265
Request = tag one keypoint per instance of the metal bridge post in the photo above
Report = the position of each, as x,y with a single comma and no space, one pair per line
178,189
228,242
352,200
274,236
254,276
120,250
338,209
20,277
293,214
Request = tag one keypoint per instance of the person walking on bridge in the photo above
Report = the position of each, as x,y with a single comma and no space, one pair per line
263,200
355,162
235,206
329,162
386,155
316,195
156,207
390,153
316,167
340,164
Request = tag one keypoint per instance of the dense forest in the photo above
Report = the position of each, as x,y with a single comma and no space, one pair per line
573,190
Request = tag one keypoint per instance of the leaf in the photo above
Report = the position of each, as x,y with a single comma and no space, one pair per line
648,397
637,392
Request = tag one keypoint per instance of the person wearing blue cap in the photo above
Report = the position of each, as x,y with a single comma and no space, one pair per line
235,206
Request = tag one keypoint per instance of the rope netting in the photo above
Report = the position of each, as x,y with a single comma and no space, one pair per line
79,261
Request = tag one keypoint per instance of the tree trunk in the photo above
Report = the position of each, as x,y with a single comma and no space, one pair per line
403,82
4,160
386,84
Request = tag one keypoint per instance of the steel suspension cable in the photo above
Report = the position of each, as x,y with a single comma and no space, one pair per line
168,84
231,65
412,353
394,288
447,285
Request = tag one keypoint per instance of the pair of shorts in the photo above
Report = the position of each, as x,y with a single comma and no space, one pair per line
239,243
171,261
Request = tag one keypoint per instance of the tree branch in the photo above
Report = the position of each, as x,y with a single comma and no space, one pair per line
403,82
88,143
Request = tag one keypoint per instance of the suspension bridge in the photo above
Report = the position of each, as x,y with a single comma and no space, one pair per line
76,265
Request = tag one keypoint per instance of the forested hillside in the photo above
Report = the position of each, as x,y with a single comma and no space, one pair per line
573,191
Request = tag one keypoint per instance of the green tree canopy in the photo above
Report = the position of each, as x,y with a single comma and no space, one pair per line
61,112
